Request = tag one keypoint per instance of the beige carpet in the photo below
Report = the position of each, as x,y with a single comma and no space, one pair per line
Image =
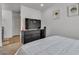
10,46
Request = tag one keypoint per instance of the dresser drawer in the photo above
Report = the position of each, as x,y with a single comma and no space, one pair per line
29,36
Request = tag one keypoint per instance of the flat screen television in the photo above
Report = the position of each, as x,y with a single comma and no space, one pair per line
32,23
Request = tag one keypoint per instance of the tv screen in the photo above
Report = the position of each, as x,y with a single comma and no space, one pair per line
32,23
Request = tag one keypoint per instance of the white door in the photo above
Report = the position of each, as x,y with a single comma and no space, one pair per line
0,26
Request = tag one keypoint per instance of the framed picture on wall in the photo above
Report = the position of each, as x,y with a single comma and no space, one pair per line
56,14
73,10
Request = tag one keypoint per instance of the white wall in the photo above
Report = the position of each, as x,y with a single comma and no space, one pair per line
16,23
28,13
0,25
65,26
7,23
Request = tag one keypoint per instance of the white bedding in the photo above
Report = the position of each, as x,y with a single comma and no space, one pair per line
55,45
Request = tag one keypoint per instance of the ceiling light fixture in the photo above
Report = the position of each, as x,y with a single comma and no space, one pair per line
41,5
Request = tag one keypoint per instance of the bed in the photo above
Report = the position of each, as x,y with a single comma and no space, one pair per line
54,45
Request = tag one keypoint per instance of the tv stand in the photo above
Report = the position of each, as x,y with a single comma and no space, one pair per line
32,35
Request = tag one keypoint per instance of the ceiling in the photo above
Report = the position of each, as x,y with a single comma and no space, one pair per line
16,6
38,7
11,6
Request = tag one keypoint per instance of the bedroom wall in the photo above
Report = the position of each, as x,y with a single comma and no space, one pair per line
7,23
65,26
0,25
27,12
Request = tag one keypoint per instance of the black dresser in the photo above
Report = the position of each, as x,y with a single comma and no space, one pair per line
32,35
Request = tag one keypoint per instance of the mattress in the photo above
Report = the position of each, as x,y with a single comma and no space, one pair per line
54,45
